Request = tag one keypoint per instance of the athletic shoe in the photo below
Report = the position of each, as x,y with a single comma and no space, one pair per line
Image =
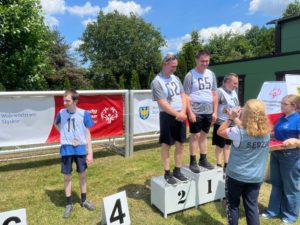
266,216
285,221
67,211
89,206
170,179
206,164
194,167
178,175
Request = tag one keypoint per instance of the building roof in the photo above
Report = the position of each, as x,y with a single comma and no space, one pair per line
284,19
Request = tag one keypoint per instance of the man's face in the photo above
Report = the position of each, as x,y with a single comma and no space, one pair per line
171,66
202,62
69,103
232,83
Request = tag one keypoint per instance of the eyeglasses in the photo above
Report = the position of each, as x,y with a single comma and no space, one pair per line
285,104
169,58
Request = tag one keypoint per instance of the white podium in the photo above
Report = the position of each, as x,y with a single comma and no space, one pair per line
210,184
169,199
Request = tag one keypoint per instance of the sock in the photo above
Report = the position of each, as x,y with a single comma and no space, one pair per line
69,200
225,165
176,169
192,159
219,165
202,157
167,172
83,197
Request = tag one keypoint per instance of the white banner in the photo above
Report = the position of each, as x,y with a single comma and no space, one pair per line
293,84
271,94
25,120
146,114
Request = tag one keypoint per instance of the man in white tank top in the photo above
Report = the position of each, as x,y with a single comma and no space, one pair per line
200,87
167,90
228,99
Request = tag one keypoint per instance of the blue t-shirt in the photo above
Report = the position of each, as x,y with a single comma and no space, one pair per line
287,127
73,125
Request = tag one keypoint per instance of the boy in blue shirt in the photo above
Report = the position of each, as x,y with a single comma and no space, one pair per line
73,125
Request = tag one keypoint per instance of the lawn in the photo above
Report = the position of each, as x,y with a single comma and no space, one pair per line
37,185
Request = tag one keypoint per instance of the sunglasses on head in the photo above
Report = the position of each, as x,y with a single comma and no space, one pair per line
169,58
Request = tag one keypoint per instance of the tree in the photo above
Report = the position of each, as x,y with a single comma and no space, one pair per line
121,44
122,81
23,45
292,9
262,40
135,81
65,73
151,77
186,57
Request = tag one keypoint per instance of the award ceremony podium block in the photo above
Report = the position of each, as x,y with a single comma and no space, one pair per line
210,184
168,198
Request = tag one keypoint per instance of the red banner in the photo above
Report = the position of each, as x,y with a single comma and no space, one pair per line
106,111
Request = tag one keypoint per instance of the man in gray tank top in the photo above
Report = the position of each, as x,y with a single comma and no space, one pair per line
228,99
167,90
200,87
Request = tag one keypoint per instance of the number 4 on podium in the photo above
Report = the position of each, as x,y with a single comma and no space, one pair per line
115,210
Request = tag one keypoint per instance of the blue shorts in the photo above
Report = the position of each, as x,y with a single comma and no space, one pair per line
66,163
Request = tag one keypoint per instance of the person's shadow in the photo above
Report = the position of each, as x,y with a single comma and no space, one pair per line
57,197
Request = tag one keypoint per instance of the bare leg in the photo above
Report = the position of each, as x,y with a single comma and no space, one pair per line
178,154
165,156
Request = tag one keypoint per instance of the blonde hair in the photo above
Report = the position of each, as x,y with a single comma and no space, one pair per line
294,100
254,118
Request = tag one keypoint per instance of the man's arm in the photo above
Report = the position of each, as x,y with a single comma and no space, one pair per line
89,157
215,106
168,109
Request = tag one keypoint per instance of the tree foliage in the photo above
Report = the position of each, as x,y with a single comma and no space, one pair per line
65,73
23,44
135,81
186,57
120,44
292,9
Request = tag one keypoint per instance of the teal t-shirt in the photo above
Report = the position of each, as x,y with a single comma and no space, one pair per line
248,156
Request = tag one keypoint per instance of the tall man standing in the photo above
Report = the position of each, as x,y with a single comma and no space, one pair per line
200,87
74,125
228,99
167,90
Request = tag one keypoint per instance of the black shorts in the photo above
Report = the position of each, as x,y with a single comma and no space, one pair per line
66,163
218,140
171,130
203,122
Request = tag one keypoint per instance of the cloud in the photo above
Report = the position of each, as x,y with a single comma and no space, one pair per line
75,44
125,8
53,6
175,44
51,21
86,10
269,7
87,21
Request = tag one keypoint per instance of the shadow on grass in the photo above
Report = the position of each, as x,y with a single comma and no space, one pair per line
203,218
20,165
57,197
137,191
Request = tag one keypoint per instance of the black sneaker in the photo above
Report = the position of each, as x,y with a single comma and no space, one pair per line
67,211
194,167
178,175
206,164
170,179
89,206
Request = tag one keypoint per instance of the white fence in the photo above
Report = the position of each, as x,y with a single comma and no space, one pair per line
140,118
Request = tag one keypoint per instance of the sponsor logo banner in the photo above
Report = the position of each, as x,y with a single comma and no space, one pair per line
29,120
146,114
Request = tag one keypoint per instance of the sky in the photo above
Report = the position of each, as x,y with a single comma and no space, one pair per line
175,19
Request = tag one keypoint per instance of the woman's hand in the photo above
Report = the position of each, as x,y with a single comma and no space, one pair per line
291,143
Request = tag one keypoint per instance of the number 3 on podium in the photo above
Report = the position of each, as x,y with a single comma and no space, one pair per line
115,210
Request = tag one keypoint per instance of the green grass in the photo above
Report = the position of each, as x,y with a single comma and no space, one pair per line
37,185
